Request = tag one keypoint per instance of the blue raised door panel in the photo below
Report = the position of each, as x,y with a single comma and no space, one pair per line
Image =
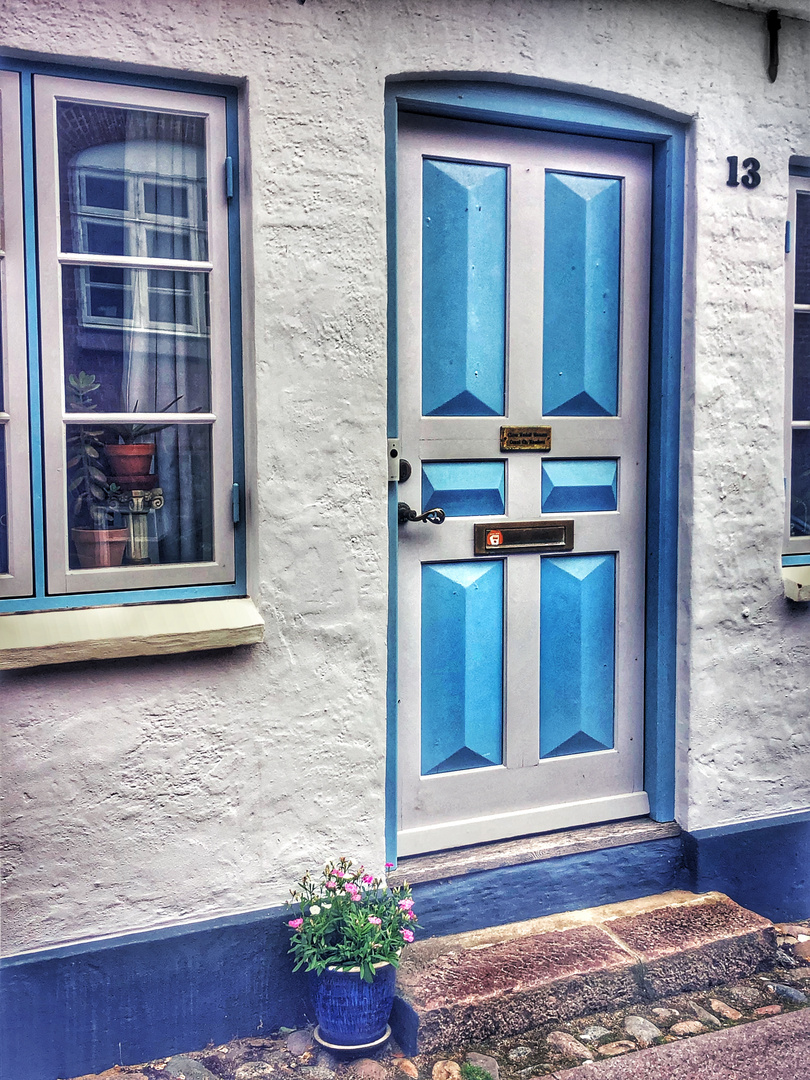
577,656
463,288
581,295
464,488
462,665
576,486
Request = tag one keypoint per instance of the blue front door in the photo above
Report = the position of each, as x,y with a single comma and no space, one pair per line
523,281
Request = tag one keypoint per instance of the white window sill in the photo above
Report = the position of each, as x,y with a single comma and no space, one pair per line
61,637
797,582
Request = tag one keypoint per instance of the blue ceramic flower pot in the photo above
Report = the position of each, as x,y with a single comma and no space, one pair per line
351,1012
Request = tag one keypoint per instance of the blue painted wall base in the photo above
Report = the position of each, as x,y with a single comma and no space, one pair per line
765,868
82,1008
514,893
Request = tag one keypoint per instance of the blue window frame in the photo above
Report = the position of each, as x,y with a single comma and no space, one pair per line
121,460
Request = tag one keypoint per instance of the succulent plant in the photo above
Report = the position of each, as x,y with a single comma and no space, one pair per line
88,484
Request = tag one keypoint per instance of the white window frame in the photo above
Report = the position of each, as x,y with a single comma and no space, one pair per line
48,90
793,545
18,581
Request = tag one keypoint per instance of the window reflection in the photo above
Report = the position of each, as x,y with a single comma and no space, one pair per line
800,484
136,338
3,504
124,171
144,334
138,494
801,366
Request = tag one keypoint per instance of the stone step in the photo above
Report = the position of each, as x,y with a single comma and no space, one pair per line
508,979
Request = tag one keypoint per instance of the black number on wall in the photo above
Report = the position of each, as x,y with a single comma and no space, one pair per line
751,179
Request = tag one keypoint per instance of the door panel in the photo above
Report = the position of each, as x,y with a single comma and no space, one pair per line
523,275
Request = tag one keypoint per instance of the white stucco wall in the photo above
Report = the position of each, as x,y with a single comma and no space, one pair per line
139,793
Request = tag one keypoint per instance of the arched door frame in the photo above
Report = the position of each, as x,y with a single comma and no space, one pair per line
554,110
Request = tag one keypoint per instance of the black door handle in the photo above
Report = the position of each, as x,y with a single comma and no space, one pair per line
435,516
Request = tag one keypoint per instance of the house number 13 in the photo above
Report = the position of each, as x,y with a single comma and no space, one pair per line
751,178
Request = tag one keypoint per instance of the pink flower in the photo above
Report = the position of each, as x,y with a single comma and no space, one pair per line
339,874
368,879
295,923
411,915
389,866
407,934
351,889
331,884
375,920
405,905
356,898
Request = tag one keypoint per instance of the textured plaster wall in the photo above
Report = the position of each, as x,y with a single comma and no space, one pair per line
147,792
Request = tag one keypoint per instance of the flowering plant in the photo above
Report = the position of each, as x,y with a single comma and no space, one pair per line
348,919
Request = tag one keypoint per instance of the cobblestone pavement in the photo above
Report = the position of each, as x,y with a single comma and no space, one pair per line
544,1052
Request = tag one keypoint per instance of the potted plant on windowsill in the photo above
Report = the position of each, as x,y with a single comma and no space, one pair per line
348,932
95,497
131,459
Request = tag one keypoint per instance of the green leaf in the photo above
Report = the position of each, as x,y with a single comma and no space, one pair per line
97,474
75,482
97,492
91,451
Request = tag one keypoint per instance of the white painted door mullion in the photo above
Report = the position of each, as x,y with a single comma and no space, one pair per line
522,746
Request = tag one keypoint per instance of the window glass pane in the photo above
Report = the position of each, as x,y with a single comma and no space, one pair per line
800,484
3,480
2,332
122,171
104,238
139,496
168,244
801,366
142,334
168,200
3,504
105,191
803,247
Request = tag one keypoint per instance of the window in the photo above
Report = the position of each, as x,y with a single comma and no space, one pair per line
120,328
797,538
16,564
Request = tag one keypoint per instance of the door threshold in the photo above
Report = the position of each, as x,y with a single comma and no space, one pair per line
456,862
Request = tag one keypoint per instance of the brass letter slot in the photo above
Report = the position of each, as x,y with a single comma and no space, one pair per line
513,537
525,438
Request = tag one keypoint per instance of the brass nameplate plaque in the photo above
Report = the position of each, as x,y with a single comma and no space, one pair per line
513,537
525,438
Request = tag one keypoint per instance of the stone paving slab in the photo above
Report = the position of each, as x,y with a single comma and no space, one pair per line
773,1049
512,986
467,987
693,945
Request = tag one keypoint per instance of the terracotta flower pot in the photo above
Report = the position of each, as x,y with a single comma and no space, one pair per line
130,459
100,547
